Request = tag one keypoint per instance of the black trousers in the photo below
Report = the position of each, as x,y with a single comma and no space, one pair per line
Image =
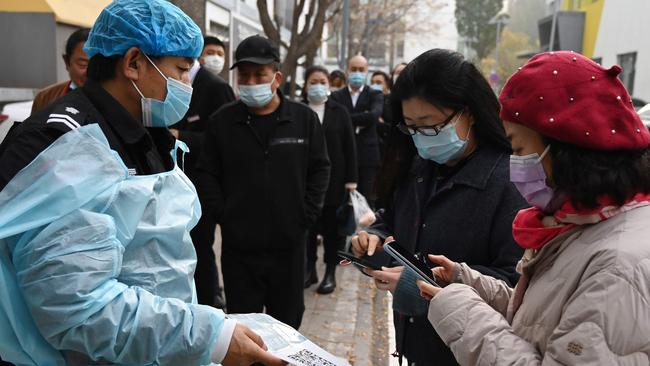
366,184
206,276
332,241
271,281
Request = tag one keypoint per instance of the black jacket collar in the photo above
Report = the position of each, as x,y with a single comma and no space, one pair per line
121,121
475,170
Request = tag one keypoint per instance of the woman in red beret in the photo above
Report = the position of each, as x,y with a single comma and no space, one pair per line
581,159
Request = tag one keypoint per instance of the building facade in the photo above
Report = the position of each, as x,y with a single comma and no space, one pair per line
610,32
34,37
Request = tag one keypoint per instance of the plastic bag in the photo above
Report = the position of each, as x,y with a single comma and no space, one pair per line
363,214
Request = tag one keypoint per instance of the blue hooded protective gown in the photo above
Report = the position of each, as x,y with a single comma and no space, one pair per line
96,265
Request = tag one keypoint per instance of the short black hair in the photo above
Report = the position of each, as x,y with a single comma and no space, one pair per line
101,68
315,68
337,74
78,36
212,40
387,79
584,175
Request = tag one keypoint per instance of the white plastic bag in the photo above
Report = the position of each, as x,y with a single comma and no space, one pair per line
363,214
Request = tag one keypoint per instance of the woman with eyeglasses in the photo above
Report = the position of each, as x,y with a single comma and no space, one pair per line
446,187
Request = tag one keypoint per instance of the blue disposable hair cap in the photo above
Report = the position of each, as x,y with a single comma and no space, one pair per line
157,27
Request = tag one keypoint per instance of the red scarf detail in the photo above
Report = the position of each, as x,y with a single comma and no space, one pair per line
532,229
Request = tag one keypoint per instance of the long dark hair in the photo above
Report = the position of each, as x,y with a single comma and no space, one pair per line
308,72
444,79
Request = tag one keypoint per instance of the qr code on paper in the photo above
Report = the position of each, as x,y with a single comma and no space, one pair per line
308,358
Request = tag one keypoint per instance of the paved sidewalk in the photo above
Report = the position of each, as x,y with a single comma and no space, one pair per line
352,322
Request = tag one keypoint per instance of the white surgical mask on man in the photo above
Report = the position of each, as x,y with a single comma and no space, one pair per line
213,63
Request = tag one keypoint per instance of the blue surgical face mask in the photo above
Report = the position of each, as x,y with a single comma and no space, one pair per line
446,146
377,87
256,96
357,78
164,113
317,93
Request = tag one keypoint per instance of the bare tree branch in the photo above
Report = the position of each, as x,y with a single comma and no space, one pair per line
267,23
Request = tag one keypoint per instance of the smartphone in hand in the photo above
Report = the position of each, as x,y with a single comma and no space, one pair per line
359,261
409,260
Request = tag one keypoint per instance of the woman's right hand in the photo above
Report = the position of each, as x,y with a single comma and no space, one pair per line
364,243
446,272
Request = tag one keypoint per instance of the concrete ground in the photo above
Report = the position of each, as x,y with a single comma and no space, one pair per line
354,322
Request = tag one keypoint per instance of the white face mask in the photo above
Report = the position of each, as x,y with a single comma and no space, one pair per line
213,63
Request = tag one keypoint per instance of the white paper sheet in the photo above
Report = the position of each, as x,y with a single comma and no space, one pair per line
287,343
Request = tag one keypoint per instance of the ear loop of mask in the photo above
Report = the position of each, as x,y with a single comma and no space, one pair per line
146,102
157,69
469,129
154,65
541,157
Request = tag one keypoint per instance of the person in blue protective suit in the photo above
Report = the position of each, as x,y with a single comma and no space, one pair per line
96,260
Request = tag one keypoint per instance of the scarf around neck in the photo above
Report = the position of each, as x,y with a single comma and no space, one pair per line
532,229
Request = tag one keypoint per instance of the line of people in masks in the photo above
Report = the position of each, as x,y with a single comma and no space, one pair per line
137,109
356,124
218,168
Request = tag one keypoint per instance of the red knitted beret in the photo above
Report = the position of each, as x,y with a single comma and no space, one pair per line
570,98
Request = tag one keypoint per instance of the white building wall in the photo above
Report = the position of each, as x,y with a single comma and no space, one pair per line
625,29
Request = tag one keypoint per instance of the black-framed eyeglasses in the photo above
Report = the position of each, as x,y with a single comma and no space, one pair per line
427,130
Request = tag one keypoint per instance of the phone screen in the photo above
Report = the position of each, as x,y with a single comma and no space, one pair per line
409,260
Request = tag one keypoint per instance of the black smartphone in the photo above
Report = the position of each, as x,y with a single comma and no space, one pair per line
410,261
359,261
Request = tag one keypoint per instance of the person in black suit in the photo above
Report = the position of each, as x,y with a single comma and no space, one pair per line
209,94
382,82
365,106
339,137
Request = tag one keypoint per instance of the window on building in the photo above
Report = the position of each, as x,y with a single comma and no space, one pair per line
332,48
400,49
377,50
627,61
598,60
219,30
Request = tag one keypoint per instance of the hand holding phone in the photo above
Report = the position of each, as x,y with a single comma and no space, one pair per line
410,261
361,262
